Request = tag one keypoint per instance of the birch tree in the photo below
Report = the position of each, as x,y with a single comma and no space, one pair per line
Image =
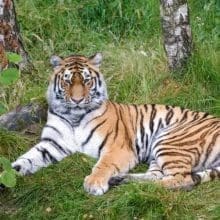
176,31
10,38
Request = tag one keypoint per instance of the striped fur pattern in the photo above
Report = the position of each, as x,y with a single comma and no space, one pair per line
182,147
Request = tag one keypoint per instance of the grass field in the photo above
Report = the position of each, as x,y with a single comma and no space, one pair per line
128,34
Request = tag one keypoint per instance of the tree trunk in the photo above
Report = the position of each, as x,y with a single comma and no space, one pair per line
10,38
11,41
176,31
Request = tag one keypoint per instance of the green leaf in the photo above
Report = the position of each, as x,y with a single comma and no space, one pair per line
3,109
8,178
6,164
9,76
14,57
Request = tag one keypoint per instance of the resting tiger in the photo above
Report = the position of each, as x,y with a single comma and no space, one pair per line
181,147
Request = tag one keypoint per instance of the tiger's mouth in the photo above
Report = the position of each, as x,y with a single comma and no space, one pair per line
76,105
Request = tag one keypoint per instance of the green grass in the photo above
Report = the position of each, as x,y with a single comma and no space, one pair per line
129,36
64,197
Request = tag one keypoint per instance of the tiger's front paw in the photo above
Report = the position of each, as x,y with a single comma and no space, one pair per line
22,166
95,185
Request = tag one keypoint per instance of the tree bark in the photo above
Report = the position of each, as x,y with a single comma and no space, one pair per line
177,32
10,38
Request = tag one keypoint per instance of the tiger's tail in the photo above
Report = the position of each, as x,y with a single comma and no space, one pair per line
206,175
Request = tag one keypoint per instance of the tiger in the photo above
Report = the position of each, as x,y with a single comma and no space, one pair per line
181,147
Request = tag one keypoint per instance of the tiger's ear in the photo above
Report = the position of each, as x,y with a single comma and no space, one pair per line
96,59
55,61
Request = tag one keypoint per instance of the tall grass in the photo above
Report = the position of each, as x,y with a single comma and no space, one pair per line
129,36
128,33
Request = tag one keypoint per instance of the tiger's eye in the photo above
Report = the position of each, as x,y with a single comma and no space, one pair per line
87,82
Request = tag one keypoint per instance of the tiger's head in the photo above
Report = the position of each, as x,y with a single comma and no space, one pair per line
77,83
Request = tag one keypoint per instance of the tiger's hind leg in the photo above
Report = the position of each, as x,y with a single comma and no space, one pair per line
178,181
177,170
153,173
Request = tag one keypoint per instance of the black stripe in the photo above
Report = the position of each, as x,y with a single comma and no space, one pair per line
196,178
184,116
196,116
216,160
98,76
175,162
171,151
59,84
137,149
92,132
46,155
209,149
169,116
205,115
146,141
77,121
55,83
99,116
160,125
54,113
29,160
196,152
81,117
142,127
164,151
167,107
182,109
53,128
94,80
57,146
103,142
116,129
146,108
152,117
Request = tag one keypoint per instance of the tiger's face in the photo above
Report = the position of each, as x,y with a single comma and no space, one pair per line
77,82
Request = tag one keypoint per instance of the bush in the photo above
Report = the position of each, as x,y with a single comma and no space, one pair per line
7,78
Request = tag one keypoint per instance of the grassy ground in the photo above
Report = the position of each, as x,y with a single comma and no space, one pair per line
128,34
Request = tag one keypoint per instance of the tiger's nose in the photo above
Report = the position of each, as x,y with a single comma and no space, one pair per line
77,101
